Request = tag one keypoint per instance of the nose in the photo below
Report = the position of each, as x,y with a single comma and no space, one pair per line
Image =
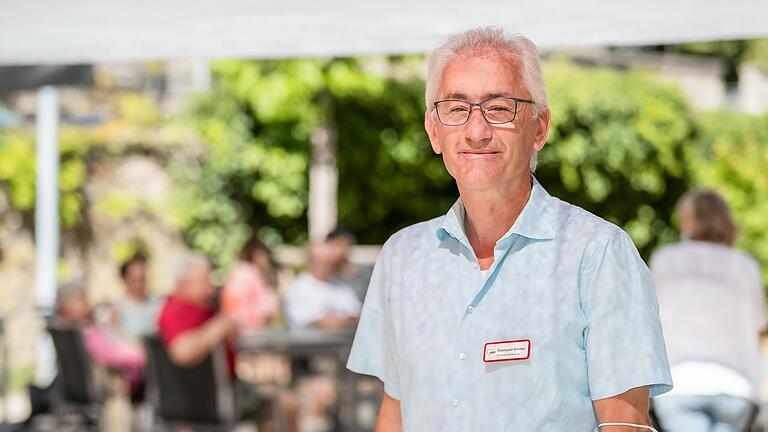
478,132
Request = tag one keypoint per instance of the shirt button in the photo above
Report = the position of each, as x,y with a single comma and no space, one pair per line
455,402
471,309
462,356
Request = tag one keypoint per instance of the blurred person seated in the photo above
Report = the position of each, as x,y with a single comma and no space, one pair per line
137,312
320,298
191,327
249,294
188,322
712,310
106,346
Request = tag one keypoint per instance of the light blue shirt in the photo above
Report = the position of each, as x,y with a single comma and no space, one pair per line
567,281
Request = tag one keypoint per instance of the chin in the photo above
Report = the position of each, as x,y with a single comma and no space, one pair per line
477,183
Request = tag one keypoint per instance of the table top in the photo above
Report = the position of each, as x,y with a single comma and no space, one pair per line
295,342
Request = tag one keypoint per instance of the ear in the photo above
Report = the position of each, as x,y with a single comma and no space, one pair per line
430,125
542,129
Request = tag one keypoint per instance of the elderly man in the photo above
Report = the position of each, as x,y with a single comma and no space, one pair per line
191,327
515,311
188,323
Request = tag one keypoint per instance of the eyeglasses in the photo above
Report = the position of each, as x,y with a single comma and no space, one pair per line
498,110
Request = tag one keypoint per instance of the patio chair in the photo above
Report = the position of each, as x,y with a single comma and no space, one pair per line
79,397
198,398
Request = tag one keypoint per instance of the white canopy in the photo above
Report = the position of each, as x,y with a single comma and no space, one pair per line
92,31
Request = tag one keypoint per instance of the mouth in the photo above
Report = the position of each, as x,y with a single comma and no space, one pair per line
478,154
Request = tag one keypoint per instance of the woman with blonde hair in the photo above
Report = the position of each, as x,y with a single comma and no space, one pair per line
712,311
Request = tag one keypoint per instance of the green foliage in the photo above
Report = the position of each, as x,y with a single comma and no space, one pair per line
732,158
616,147
256,124
757,53
623,145
18,169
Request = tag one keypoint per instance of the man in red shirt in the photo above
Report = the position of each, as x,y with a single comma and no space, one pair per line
188,323
191,327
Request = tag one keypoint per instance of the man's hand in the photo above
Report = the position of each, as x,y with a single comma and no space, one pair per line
628,407
333,322
389,415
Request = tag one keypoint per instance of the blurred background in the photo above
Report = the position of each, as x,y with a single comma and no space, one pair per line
162,150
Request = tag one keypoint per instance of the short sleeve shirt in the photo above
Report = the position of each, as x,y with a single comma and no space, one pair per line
569,284
310,299
178,316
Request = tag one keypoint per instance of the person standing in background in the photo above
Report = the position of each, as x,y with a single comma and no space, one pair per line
712,309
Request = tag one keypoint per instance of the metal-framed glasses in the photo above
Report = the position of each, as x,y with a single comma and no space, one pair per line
498,110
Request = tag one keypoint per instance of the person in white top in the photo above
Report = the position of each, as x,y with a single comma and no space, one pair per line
712,311
319,298
137,311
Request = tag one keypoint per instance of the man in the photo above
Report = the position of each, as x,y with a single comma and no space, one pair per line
319,298
188,323
515,311
191,328
137,312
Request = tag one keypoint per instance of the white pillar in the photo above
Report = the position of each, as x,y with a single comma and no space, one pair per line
47,197
323,183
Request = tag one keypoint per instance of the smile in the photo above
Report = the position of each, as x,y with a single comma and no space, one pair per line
478,154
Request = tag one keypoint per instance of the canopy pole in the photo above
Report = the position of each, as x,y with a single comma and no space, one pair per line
47,197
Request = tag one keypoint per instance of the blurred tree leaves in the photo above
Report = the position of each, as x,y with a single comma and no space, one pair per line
732,158
616,147
256,124
623,145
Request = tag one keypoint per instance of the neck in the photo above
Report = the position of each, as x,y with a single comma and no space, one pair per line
490,214
138,297
321,272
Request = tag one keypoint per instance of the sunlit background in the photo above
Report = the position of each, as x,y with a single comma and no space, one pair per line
164,156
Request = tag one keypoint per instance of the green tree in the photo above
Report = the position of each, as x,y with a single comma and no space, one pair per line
732,158
616,147
256,125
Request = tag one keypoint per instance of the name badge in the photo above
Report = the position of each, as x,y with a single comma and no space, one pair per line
507,351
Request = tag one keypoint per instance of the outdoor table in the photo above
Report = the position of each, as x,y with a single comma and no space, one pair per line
296,344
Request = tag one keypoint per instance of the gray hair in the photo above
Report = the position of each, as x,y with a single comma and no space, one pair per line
479,39
68,290
190,260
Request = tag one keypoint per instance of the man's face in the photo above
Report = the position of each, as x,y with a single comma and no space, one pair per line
338,251
75,308
196,287
479,155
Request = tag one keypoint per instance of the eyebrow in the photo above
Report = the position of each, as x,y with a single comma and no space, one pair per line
486,96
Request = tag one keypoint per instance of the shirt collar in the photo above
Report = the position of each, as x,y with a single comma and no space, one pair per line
536,221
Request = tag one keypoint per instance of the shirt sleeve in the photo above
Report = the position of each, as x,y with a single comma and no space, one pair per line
111,352
373,351
623,338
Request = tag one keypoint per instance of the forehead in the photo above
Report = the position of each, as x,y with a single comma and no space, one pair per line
479,77
135,267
